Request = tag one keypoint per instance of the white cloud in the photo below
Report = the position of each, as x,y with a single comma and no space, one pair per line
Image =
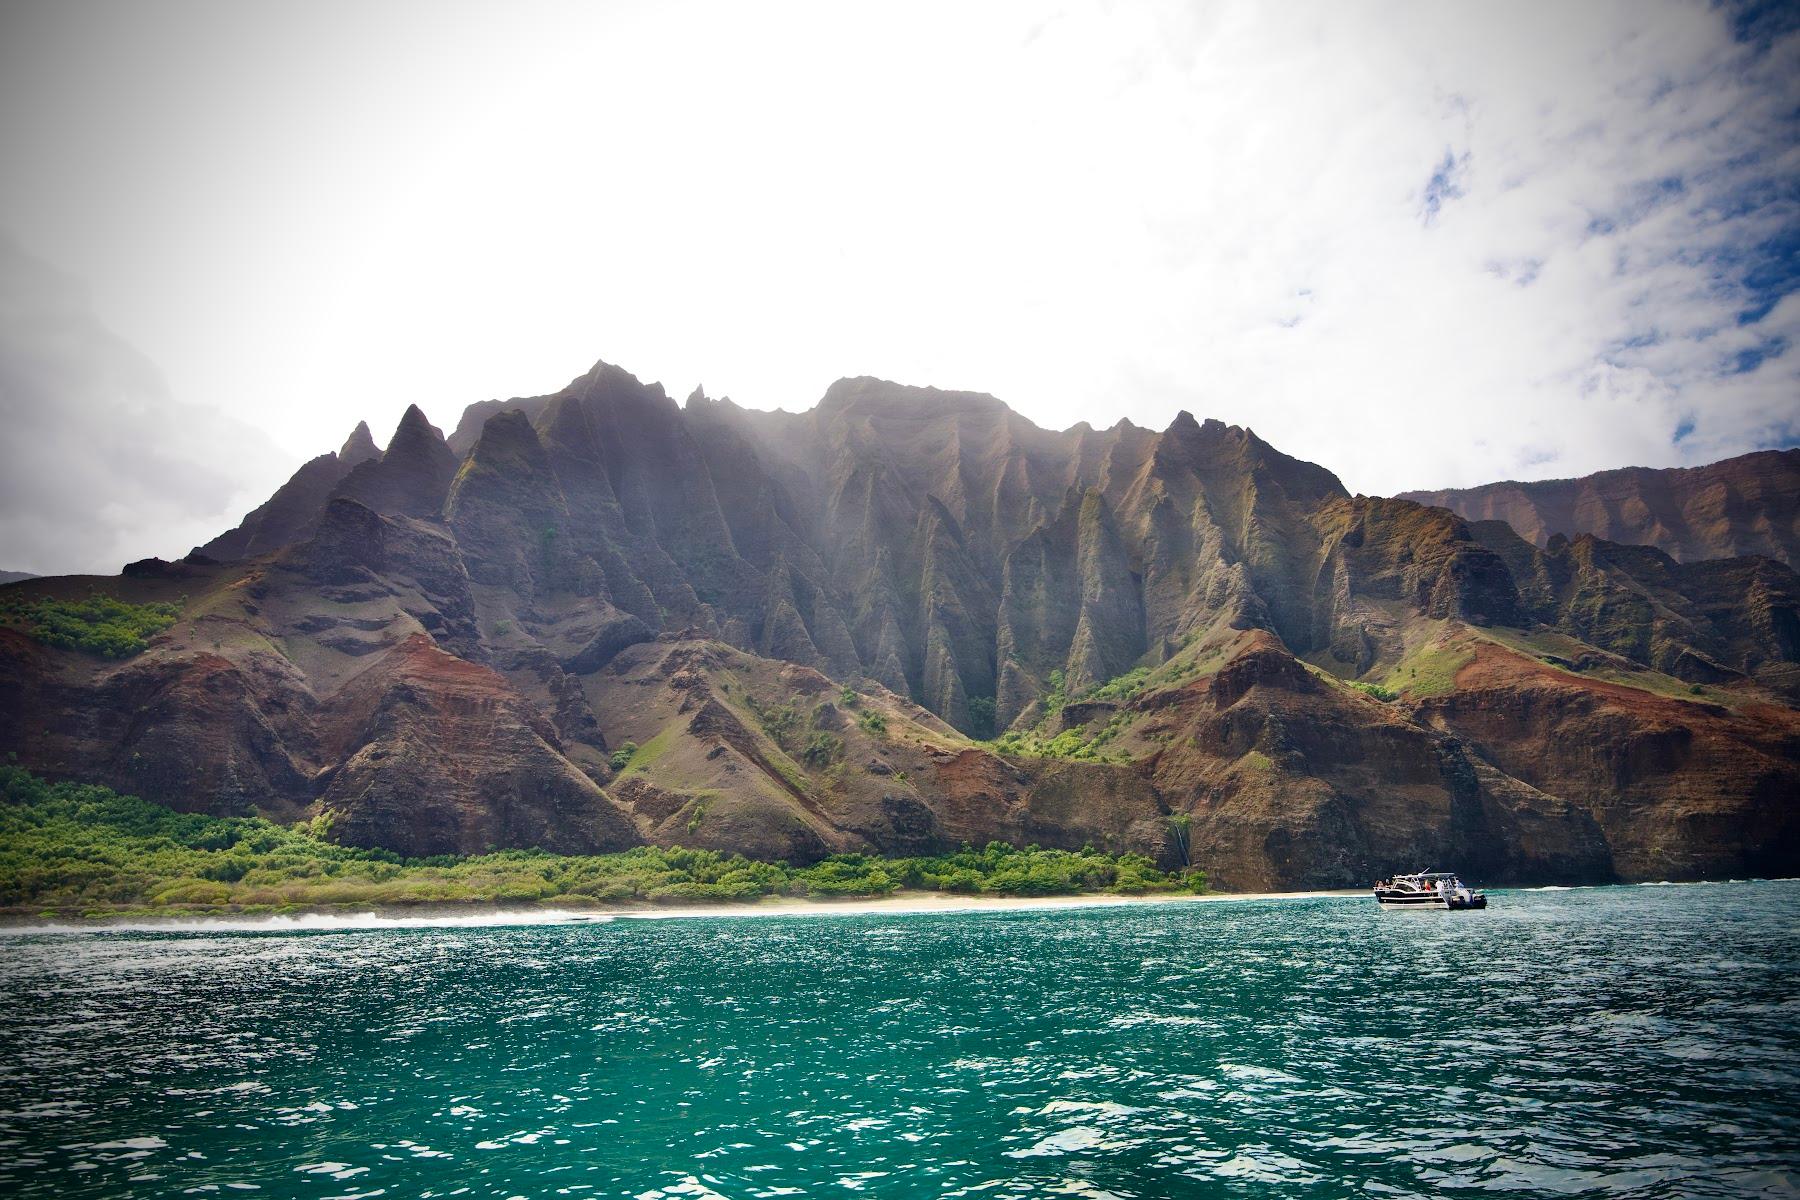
100,464
312,215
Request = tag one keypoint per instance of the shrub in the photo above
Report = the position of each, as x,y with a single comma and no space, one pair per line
822,749
779,721
192,891
981,717
848,875
621,758
103,625
1121,688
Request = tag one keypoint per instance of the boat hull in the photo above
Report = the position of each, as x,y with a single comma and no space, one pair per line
1414,900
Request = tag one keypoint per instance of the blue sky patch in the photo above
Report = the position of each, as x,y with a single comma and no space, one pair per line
1446,183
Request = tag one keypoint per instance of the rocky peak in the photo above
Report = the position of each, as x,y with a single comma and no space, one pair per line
1184,425
359,447
508,441
468,428
413,431
412,478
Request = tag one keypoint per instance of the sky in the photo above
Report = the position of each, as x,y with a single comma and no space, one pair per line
1426,245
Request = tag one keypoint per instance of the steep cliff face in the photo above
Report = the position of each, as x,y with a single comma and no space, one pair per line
430,754
598,617
1071,601
1704,622
1744,505
1678,790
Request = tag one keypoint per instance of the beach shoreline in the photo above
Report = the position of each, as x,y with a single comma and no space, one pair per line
354,916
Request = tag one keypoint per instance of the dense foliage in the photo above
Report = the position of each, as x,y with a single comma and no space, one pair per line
80,848
103,625
1087,744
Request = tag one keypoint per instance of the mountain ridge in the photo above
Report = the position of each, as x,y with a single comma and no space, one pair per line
789,634
1749,504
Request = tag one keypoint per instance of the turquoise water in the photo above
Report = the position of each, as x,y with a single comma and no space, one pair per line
1609,1041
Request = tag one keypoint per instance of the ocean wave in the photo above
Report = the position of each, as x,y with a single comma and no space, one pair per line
315,923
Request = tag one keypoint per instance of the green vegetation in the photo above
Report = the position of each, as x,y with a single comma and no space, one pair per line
847,697
1429,670
1120,688
821,750
981,717
1257,760
641,758
1385,695
780,721
103,625
873,723
1070,743
998,869
80,849
621,758
1575,657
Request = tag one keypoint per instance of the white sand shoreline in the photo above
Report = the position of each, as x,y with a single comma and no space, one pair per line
484,916
478,916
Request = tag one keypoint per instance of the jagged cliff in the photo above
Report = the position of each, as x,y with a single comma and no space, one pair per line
598,618
1744,505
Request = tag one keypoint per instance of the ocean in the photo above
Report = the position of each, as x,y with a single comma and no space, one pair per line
1635,1041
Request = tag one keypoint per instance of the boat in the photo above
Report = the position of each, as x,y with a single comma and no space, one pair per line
1428,889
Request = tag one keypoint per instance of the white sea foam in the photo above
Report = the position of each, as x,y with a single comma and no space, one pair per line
688,1186
917,904
318,922
1108,1108
1078,1139
925,904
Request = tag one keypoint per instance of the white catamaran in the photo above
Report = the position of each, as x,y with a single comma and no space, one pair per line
1428,889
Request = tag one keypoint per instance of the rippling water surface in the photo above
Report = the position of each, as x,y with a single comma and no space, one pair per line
1641,1040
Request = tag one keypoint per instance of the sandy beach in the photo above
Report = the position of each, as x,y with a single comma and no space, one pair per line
478,915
